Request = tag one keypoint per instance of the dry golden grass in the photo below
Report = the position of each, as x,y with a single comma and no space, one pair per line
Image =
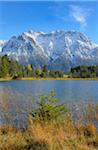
11,139
47,78
50,136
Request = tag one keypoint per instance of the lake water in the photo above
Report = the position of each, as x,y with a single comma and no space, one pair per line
70,90
19,94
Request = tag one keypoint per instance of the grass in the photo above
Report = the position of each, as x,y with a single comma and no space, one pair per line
47,78
45,131
50,136
62,78
64,135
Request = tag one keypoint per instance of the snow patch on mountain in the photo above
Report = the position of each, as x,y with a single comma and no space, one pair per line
2,43
57,49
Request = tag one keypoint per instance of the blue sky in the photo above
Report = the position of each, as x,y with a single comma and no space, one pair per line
17,17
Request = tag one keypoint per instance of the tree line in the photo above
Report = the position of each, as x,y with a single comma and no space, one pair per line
84,72
11,68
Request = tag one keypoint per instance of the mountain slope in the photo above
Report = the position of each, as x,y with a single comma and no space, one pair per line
2,43
58,49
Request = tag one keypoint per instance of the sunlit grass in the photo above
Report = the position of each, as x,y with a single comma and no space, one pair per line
50,136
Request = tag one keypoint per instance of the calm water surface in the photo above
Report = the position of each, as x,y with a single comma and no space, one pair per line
65,90
16,96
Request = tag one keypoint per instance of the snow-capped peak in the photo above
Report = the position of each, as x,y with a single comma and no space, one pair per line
57,49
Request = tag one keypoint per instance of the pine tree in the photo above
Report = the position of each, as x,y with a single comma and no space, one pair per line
4,68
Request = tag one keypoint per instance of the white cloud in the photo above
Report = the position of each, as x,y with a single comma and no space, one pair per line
71,13
79,14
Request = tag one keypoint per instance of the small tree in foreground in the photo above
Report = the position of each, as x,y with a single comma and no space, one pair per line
47,108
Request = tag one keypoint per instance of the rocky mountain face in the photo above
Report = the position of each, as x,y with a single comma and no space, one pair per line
2,43
59,50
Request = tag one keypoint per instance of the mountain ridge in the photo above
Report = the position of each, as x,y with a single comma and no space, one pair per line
58,49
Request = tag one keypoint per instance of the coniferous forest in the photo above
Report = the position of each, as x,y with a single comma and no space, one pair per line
84,72
11,68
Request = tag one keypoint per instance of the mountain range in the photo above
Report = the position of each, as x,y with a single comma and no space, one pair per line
59,50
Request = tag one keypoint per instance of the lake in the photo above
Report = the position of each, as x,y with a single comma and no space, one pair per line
20,94
66,90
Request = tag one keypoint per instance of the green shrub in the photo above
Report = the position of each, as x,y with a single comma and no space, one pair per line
47,108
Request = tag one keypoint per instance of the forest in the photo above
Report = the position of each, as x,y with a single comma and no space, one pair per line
84,72
11,68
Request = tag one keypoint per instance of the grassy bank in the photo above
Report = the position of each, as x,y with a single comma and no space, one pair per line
6,79
65,78
34,78
50,136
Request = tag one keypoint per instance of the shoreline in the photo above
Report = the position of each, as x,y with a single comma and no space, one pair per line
39,79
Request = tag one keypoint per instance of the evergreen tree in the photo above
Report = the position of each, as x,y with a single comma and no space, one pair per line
14,69
47,109
4,67
45,71
29,70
